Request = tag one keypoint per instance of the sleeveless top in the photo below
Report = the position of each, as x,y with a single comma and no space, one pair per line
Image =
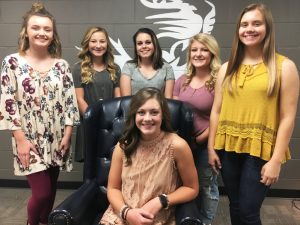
152,172
249,118
200,100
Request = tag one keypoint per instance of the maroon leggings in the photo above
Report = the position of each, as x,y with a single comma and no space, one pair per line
43,189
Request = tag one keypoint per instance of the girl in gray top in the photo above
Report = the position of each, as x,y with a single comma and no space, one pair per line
147,69
96,76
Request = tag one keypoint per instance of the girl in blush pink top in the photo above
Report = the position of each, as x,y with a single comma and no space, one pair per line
196,87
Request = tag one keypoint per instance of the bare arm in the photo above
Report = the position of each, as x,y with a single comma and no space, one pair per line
114,185
289,92
82,104
169,88
203,137
117,92
114,193
214,160
125,85
187,172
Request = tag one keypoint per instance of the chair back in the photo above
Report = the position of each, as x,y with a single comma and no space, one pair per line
104,123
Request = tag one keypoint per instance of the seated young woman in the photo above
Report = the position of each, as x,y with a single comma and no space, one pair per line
152,168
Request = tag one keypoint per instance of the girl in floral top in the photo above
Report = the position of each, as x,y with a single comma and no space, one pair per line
38,104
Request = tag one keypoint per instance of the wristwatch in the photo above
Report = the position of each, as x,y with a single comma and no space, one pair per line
163,198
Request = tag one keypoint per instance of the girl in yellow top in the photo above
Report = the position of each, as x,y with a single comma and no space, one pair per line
253,115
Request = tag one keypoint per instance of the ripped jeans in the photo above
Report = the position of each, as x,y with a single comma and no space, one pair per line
208,198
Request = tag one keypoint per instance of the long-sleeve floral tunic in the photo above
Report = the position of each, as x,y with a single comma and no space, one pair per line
41,106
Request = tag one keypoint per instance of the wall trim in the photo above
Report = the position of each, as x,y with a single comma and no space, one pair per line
282,193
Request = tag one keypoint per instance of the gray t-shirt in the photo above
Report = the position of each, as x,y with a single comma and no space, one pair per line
100,88
139,81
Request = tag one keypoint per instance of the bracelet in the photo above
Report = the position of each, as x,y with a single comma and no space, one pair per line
122,211
163,198
126,212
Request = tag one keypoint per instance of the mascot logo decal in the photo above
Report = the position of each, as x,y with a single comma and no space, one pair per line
178,23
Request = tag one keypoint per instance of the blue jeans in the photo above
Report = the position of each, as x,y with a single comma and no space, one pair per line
241,177
208,198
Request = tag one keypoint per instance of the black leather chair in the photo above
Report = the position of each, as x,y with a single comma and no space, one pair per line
104,123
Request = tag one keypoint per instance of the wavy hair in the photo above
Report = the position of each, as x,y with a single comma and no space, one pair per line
38,9
157,60
268,55
211,43
130,138
86,57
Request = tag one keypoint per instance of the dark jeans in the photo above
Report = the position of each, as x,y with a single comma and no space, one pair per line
241,177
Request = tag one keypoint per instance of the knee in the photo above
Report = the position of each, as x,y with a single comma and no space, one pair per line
209,188
42,196
210,192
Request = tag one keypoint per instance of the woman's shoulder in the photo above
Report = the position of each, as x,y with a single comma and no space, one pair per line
15,60
128,68
180,146
177,141
62,61
181,78
224,66
167,65
288,68
13,55
130,64
222,71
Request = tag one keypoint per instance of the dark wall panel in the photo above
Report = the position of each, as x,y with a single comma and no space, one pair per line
122,18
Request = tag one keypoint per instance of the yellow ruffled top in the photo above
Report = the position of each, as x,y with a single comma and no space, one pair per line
249,118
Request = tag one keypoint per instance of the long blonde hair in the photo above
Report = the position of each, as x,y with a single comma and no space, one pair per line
269,52
87,70
210,42
38,9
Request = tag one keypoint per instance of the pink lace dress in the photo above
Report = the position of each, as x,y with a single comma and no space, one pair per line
153,172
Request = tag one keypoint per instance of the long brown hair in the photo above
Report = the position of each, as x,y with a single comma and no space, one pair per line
269,52
157,60
87,70
38,9
130,138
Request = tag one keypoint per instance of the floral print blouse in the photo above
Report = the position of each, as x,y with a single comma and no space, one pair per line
41,106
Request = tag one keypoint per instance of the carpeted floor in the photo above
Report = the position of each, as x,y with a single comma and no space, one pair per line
275,211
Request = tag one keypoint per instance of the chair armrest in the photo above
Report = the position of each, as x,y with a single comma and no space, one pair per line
187,214
77,209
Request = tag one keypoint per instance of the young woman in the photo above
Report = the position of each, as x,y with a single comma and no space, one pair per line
147,69
39,105
253,115
96,76
196,87
147,164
